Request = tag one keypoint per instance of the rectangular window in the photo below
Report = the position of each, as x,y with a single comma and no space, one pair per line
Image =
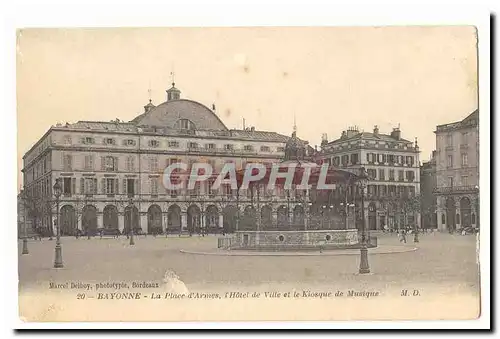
210,191
153,164
195,192
391,159
248,148
154,186
173,144
109,141
465,180
465,160
264,148
280,149
192,145
228,147
381,174
210,146
401,175
67,162
410,176
391,174
89,163
89,140
110,164
372,174
110,185
465,138
130,142
450,161
449,140
354,158
67,186
131,187
450,182
130,164
89,185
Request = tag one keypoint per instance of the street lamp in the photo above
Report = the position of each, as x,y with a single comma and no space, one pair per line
131,208
58,262
25,208
364,267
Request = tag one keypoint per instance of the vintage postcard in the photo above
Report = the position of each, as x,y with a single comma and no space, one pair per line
249,174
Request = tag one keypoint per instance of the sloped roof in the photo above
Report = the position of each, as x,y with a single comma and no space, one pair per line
369,136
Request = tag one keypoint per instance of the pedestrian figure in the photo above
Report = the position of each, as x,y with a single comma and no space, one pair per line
403,236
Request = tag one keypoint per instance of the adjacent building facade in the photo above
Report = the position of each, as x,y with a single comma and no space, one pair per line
428,183
103,165
457,173
392,163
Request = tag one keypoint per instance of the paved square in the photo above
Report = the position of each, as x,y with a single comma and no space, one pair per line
445,262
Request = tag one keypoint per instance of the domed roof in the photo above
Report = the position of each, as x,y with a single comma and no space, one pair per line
170,112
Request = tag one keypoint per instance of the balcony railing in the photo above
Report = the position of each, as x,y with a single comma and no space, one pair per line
456,189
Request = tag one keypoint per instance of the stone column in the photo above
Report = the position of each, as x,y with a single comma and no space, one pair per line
143,221
121,221
99,220
473,211
274,218
183,220
165,221
221,220
79,223
457,212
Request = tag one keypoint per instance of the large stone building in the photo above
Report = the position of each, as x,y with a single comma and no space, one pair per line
428,183
392,164
457,173
101,165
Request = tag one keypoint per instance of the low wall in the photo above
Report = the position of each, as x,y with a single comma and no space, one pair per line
286,240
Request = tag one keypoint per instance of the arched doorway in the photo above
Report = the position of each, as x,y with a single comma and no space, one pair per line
193,219
282,216
174,219
465,212
266,217
298,217
372,216
155,220
68,220
249,220
230,215
131,219
212,219
450,214
89,220
110,217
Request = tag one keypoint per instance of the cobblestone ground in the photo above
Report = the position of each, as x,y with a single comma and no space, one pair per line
445,262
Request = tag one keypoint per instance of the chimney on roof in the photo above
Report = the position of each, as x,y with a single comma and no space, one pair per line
375,130
324,139
252,128
351,131
396,133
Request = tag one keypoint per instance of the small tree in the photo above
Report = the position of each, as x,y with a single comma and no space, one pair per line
413,205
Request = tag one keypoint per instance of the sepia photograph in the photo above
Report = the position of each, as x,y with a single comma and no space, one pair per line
215,174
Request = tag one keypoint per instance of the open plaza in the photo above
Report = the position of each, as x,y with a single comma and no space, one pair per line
446,262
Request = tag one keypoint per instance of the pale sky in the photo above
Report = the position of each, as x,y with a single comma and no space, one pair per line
329,77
